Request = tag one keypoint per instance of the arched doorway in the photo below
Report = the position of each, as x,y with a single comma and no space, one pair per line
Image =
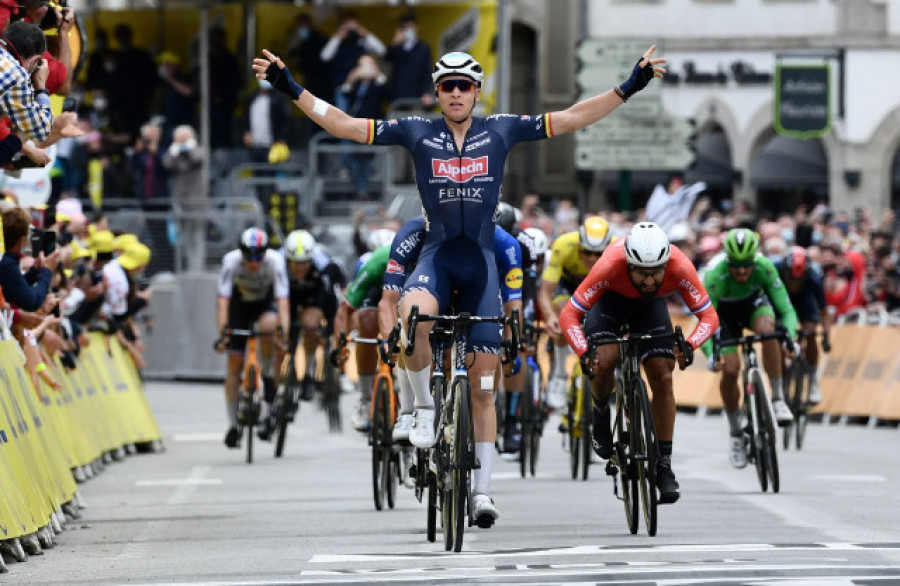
713,165
787,172
895,182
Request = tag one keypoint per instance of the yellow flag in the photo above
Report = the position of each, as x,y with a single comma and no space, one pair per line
95,182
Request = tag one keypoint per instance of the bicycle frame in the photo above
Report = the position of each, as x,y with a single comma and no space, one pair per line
453,454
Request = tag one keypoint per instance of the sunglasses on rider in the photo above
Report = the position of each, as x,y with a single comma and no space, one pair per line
254,257
464,85
744,264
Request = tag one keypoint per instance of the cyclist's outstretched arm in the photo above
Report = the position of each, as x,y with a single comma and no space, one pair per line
588,111
335,121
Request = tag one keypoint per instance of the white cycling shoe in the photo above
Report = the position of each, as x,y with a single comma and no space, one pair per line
421,434
815,394
484,510
783,414
556,392
738,453
402,427
360,418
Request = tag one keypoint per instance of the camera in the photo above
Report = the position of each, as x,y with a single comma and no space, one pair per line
50,20
42,241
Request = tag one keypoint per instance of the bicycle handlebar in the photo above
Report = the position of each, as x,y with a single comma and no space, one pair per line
718,344
598,339
511,348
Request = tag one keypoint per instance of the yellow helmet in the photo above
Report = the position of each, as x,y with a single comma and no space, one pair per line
593,235
279,153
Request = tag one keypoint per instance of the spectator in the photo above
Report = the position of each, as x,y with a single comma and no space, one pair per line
178,98
224,84
305,53
56,22
365,92
23,74
266,122
150,176
343,51
24,291
184,159
102,63
669,205
531,211
411,63
135,84
845,282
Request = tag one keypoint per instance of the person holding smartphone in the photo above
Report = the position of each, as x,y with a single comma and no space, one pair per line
24,291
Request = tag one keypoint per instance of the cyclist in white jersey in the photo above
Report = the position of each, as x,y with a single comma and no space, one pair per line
253,288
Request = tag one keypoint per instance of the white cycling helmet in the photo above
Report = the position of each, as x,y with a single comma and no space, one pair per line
299,245
647,245
253,242
379,238
457,63
538,238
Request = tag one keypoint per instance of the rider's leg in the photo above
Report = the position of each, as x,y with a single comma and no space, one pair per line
311,323
771,355
419,366
812,358
367,354
728,389
232,385
559,372
482,381
659,375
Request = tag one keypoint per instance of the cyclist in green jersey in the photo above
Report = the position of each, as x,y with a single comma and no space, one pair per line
743,287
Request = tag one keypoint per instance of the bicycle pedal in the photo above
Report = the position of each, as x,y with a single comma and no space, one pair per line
611,469
484,522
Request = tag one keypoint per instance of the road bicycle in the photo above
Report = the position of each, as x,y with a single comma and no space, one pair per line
447,468
249,400
797,379
387,472
534,404
760,436
577,424
635,444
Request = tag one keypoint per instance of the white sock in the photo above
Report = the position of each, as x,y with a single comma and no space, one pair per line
777,389
366,382
484,451
560,356
419,381
405,391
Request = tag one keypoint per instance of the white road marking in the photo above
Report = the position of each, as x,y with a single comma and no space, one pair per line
850,477
180,482
197,437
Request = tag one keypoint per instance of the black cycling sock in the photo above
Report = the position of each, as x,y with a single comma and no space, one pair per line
665,454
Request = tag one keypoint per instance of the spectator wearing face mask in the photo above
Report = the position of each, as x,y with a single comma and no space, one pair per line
343,50
411,63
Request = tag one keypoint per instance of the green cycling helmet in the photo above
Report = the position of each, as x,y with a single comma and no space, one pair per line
741,244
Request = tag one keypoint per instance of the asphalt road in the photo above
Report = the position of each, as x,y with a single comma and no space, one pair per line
198,514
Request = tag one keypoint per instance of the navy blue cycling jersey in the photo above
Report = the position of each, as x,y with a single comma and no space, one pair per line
408,243
460,189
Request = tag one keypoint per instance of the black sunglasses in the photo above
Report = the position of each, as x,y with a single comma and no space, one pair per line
744,264
464,85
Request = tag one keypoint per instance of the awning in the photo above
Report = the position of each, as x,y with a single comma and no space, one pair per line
789,163
713,164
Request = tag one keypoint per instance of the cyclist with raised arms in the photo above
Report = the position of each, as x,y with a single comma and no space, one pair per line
627,287
571,258
803,280
253,289
743,288
459,160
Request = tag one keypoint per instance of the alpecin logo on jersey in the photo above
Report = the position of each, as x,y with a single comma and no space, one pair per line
459,170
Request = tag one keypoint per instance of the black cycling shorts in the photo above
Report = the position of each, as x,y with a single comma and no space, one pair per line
615,314
242,315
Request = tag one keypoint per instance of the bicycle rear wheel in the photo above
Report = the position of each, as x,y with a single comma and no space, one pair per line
252,408
424,475
585,425
792,388
281,407
538,417
331,396
755,387
767,432
646,452
626,467
526,417
801,413
381,449
573,428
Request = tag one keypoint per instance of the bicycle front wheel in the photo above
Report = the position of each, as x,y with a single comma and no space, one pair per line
253,408
646,452
380,440
768,438
281,406
456,491
573,429
755,404
801,412
331,396
526,417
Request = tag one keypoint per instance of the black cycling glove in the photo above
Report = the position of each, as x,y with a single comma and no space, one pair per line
281,80
640,77
587,364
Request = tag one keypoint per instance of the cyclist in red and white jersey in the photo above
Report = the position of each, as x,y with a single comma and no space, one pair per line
627,287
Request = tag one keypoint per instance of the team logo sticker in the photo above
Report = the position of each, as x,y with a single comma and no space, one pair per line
514,278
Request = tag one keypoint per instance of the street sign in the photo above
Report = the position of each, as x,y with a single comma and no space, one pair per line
803,100
612,50
634,157
618,129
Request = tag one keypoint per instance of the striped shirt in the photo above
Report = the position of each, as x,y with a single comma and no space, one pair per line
667,209
29,113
